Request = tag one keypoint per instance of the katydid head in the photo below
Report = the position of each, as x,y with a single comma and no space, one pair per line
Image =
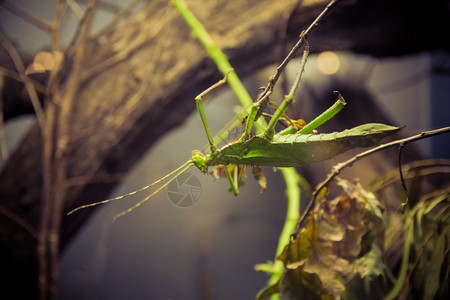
199,160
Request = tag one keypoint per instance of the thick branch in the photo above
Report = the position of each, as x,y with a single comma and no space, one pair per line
394,27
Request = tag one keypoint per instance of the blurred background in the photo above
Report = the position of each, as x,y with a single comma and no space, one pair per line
208,250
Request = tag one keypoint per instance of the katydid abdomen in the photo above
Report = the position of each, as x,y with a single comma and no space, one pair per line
298,149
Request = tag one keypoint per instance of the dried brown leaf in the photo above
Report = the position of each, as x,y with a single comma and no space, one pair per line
330,247
46,61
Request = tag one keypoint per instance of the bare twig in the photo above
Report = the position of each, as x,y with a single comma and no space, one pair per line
53,80
412,170
302,67
38,22
76,8
339,167
24,79
56,137
274,78
19,221
121,14
56,24
73,43
47,256
65,100
106,5
18,63
122,54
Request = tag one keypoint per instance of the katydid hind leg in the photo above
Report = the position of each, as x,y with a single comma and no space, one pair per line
288,99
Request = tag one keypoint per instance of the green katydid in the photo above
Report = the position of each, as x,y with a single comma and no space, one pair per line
286,148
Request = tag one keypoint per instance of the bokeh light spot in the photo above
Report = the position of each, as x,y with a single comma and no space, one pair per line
328,62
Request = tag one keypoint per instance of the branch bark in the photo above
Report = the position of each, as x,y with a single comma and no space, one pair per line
395,28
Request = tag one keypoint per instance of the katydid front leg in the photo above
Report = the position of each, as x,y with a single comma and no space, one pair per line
233,179
201,110
197,159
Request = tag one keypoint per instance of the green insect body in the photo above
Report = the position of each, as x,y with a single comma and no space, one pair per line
287,148
290,150
282,149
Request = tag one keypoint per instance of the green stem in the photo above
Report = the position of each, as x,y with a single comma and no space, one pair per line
292,214
290,175
216,54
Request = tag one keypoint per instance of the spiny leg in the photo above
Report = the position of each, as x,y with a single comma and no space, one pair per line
212,145
289,98
201,110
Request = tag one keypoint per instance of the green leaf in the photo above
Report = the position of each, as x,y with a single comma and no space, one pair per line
438,254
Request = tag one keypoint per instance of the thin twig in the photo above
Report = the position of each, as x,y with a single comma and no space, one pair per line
414,169
106,5
46,250
122,54
38,22
64,113
273,79
76,8
263,97
56,24
298,79
121,14
339,167
24,79
19,221
18,63
53,79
